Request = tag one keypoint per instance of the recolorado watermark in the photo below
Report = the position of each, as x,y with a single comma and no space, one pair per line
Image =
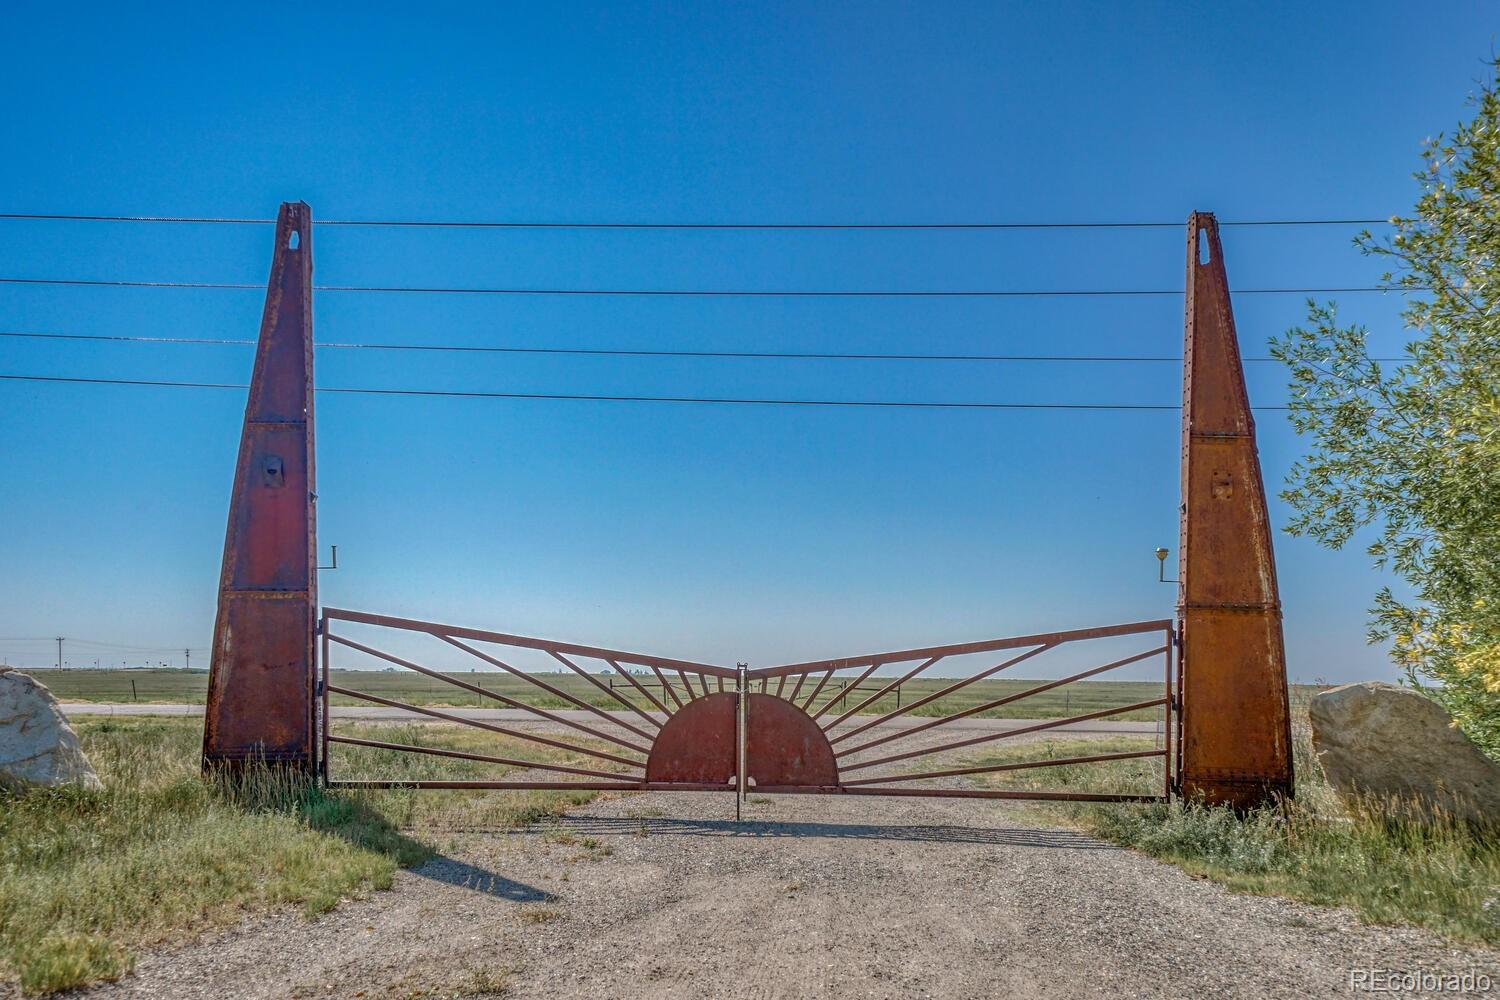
1417,983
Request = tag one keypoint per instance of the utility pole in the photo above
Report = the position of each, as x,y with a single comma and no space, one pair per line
59,652
187,659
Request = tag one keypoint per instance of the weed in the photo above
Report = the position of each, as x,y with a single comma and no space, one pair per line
1370,856
87,877
478,982
538,915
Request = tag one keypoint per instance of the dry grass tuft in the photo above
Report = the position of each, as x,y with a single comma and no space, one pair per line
89,877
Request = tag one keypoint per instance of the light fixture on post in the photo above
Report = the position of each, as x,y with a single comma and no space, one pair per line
1161,565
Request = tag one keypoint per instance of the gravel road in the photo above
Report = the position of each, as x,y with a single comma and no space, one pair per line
664,895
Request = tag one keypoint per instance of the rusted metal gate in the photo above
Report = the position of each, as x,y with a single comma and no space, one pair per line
1224,722
770,730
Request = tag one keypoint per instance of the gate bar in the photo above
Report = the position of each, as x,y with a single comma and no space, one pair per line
489,694
827,676
954,793
1166,734
741,694
903,709
624,785
665,686
546,786
960,649
833,699
638,686
801,680
1052,762
504,638
607,690
465,755
323,723
1050,724
446,717
893,685
1022,696
532,679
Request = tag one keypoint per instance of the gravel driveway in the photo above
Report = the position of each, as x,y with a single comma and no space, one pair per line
664,895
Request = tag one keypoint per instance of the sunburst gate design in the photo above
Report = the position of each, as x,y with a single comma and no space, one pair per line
1223,723
701,727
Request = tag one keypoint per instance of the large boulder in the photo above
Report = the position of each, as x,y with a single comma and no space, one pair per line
1397,744
37,746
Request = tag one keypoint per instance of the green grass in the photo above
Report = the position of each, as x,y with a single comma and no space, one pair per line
189,687
1389,869
1139,776
87,878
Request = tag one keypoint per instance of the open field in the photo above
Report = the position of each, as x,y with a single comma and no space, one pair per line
189,687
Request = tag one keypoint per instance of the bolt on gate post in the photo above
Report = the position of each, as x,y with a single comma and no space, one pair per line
261,671
1235,721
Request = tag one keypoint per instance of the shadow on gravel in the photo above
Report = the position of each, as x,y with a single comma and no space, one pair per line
467,876
667,827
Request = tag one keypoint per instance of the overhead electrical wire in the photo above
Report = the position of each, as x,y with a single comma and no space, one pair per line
710,292
632,352
726,226
610,398
756,293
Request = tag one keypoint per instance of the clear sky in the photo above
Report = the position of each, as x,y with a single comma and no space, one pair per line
720,533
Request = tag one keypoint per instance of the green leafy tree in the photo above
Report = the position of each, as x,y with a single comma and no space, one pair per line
1412,453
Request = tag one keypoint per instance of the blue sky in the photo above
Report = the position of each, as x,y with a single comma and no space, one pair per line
717,533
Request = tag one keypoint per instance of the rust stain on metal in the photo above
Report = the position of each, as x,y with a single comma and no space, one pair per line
261,671
1236,728
784,746
698,743
1224,709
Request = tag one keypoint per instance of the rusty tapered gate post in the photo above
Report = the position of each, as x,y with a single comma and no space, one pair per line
1236,723
261,676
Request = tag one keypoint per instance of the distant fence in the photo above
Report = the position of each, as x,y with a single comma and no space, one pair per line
845,689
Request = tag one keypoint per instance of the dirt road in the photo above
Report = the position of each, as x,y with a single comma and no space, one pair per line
664,895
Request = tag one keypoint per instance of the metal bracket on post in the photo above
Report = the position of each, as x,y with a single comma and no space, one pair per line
1235,720
261,681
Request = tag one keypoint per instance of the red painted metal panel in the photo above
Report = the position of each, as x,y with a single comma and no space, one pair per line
1235,718
261,671
784,746
697,745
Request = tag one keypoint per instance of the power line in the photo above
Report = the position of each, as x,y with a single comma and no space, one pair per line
594,397
631,352
137,649
726,226
103,644
712,292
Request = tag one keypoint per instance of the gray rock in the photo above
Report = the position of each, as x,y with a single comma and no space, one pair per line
37,746
1395,743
